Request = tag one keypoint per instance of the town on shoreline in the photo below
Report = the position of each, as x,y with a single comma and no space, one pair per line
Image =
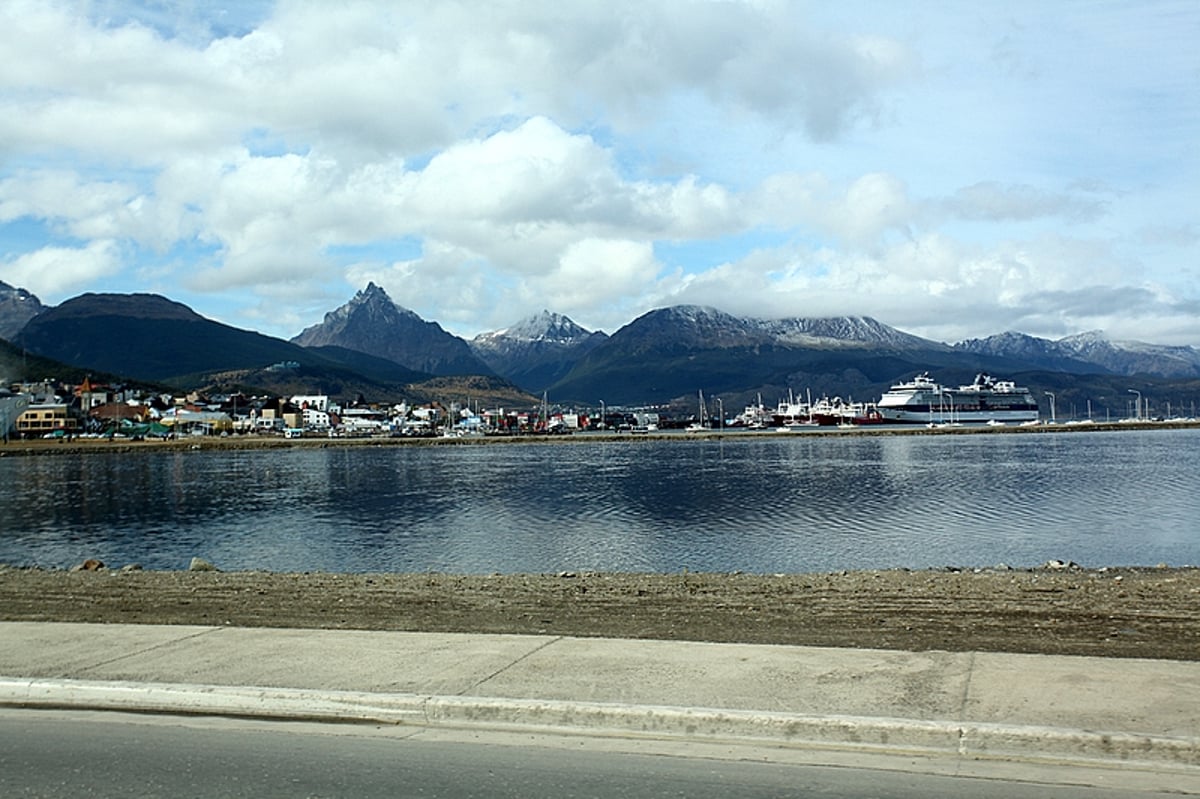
65,412
69,445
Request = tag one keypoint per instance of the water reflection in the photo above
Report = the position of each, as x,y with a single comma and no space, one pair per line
762,505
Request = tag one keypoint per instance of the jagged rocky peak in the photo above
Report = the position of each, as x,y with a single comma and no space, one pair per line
371,323
373,300
372,293
370,307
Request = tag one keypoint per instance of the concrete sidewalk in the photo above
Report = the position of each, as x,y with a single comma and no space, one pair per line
1058,710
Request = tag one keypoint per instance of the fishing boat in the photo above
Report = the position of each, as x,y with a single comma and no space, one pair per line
837,412
793,413
754,417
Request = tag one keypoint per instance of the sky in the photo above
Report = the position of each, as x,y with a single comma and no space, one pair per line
953,169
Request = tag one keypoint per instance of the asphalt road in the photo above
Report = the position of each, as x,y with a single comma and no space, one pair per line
76,754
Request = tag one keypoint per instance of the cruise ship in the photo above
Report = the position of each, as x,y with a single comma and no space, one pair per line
988,401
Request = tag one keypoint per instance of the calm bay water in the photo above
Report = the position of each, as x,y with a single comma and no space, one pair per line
772,504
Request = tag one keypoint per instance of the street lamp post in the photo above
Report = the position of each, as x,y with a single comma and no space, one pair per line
1137,406
721,410
1053,418
603,426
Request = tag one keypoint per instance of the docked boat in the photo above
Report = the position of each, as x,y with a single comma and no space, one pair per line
792,412
923,401
836,412
701,424
754,417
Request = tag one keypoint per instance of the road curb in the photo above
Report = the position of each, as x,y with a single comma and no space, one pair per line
969,740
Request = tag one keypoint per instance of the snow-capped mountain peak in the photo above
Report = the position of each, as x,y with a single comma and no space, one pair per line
544,326
536,351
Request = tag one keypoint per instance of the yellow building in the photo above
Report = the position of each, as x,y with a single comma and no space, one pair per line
38,420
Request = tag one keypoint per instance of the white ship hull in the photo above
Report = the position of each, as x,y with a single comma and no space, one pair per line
917,416
922,401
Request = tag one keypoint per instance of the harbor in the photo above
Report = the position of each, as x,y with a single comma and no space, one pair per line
78,445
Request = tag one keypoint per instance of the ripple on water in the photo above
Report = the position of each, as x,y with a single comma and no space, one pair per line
758,505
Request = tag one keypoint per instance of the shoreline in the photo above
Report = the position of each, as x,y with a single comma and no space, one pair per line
1060,608
78,446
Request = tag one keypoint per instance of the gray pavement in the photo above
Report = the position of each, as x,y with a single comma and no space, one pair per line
1127,714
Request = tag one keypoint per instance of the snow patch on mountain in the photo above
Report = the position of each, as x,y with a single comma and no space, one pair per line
17,307
843,330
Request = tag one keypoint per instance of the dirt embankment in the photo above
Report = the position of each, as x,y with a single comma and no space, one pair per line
1146,613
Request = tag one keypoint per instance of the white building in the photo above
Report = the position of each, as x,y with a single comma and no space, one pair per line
319,402
315,418
363,421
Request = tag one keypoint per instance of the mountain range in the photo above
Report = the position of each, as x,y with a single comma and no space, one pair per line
378,348
1086,352
149,339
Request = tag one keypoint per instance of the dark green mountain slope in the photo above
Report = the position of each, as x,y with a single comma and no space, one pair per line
148,337
20,365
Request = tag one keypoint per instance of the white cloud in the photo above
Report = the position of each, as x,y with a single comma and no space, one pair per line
873,205
381,78
535,172
57,273
936,286
994,202
916,164
84,210
600,271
